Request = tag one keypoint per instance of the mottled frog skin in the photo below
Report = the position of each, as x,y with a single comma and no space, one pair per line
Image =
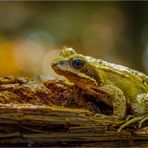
128,88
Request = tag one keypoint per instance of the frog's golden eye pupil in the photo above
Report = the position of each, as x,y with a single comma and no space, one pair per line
77,63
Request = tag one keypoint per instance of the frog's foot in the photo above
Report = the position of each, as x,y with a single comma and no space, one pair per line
139,119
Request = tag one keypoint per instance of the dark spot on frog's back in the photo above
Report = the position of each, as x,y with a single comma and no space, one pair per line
100,61
144,82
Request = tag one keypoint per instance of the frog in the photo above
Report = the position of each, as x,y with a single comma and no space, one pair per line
126,88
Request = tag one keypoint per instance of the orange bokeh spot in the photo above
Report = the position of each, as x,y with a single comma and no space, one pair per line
8,65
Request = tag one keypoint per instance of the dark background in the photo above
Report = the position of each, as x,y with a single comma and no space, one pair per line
32,34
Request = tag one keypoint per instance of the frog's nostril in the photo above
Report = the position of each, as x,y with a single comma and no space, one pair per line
62,62
57,64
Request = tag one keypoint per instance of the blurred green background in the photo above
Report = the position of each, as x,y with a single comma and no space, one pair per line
32,34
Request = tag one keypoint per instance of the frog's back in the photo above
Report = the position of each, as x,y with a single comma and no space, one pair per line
136,77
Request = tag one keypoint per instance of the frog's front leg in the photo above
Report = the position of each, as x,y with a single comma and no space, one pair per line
117,100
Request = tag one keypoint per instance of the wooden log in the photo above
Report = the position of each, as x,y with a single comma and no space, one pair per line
53,113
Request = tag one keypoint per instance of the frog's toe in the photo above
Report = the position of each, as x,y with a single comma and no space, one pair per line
143,120
129,117
131,121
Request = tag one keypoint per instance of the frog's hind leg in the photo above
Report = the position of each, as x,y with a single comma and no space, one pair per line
139,119
140,104
140,107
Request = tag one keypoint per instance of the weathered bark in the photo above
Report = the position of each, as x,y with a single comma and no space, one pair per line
53,113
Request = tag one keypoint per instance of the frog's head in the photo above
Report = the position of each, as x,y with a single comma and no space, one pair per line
75,67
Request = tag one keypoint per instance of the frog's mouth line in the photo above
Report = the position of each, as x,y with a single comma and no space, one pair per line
82,82
85,83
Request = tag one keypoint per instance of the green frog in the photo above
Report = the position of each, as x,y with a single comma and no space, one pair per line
125,87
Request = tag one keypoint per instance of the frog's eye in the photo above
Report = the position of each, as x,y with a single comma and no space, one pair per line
77,63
